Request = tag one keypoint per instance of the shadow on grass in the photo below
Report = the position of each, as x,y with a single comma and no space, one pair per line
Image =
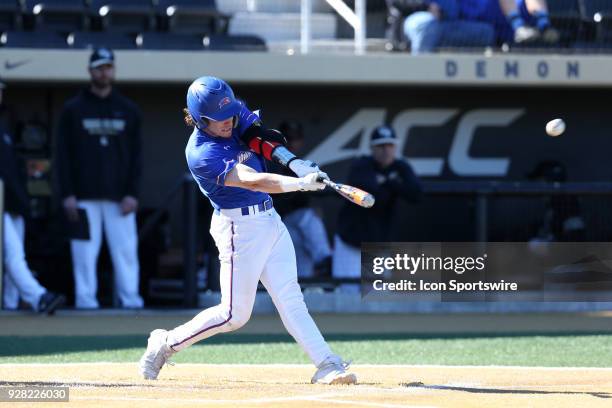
492,390
15,346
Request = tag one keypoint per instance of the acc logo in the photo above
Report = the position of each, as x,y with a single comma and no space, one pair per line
224,102
459,158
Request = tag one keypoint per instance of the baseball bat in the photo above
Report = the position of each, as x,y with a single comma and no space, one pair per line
353,194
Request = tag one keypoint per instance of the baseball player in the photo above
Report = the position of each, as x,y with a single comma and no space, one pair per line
225,154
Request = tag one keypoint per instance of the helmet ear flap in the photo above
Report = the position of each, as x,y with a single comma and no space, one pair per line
204,122
235,119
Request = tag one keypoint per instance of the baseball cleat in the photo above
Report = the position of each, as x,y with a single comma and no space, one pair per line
525,35
49,302
157,354
333,371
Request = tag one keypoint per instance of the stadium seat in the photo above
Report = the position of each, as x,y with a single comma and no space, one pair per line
372,5
89,39
281,26
270,6
62,15
10,15
565,17
234,43
191,16
598,15
33,39
131,16
170,41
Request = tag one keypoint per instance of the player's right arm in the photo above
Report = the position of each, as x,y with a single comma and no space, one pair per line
245,177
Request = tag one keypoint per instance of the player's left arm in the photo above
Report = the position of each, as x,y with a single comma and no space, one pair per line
271,144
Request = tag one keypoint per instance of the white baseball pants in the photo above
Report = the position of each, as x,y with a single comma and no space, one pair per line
122,238
252,248
18,279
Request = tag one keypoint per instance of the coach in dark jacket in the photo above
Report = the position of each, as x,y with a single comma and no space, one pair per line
388,178
99,164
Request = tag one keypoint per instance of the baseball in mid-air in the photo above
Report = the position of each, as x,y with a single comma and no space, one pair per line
555,127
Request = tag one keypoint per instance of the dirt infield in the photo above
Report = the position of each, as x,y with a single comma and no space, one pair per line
193,385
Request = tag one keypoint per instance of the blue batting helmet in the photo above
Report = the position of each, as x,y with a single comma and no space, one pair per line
211,98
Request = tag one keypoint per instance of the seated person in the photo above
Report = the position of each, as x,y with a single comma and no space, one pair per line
397,11
518,21
479,23
442,25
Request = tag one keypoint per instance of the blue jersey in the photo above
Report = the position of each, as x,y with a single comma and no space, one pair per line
210,159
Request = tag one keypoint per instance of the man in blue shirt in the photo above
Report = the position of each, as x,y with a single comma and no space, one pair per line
478,23
225,154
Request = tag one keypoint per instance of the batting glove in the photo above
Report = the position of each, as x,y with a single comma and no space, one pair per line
310,182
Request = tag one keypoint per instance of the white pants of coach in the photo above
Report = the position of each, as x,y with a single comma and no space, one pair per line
18,279
252,248
346,263
122,239
309,239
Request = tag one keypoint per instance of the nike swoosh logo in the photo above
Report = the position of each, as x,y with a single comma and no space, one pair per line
12,65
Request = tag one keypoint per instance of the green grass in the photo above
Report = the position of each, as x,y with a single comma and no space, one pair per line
545,350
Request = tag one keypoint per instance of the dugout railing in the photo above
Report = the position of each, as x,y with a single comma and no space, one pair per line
490,211
499,211
484,194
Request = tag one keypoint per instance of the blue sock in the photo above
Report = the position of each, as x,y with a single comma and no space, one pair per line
542,20
515,20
